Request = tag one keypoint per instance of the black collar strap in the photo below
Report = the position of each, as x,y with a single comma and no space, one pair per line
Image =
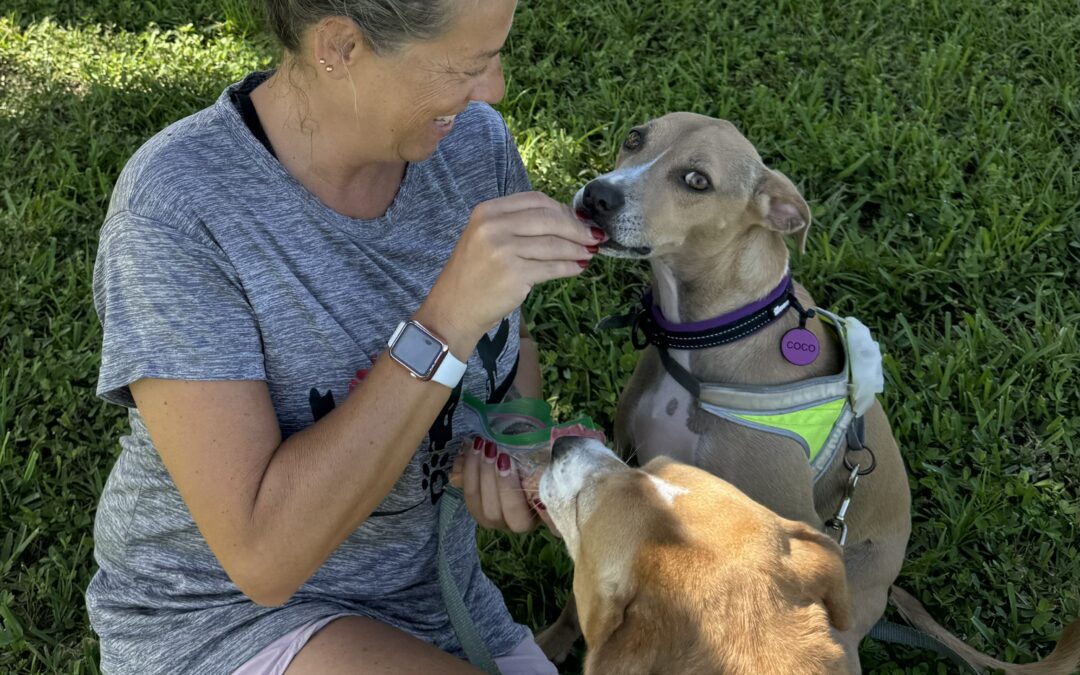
657,330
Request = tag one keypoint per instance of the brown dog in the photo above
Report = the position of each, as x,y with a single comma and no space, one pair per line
678,572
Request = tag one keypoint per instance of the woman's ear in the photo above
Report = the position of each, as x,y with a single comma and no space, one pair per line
780,207
337,43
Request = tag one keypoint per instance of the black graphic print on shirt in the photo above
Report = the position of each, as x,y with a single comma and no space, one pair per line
437,467
320,405
489,350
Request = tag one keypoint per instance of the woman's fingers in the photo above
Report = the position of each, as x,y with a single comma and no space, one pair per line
550,247
530,214
491,507
487,277
492,488
518,201
515,509
555,220
472,460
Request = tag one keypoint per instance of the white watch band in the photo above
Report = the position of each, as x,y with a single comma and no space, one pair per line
450,371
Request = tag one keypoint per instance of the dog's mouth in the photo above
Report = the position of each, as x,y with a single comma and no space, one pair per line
611,247
584,216
614,249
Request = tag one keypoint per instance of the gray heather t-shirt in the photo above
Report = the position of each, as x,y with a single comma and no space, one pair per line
214,264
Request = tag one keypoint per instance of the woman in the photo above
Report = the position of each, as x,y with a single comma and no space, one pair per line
266,512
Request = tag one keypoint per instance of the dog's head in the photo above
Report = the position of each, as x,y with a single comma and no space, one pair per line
688,180
673,565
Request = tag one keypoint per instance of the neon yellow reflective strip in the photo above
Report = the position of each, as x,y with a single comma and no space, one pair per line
812,424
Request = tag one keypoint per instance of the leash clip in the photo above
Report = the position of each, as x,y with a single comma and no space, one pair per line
838,523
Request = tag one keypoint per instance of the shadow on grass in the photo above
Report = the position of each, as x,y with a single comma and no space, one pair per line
132,14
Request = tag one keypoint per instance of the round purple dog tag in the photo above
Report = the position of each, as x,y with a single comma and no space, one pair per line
800,346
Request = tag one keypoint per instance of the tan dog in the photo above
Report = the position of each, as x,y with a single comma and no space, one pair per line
677,572
691,194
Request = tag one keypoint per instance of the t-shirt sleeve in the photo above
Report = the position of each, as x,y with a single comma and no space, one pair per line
171,306
517,179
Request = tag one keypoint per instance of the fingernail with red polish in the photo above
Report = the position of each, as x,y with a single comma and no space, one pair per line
490,451
583,264
504,464
594,249
477,444
539,505
597,233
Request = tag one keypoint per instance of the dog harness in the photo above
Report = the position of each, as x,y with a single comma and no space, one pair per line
820,414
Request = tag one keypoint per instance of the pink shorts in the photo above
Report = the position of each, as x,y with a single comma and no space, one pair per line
525,659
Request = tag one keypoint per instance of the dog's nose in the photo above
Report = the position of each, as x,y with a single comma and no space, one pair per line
561,446
602,198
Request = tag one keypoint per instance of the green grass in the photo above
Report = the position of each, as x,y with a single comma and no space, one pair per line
937,142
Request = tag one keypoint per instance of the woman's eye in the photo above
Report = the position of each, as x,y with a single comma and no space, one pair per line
633,140
696,181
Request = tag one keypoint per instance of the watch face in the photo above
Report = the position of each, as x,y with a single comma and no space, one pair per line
417,350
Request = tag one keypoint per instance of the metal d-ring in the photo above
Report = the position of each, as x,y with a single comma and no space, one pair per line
851,466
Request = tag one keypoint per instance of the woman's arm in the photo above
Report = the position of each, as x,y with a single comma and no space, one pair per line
273,511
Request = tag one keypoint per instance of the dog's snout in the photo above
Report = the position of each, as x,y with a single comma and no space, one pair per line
601,198
561,446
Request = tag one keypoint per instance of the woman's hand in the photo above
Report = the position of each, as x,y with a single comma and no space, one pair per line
493,491
509,245
496,493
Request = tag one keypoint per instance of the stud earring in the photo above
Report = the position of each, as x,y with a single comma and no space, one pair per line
322,61
329,69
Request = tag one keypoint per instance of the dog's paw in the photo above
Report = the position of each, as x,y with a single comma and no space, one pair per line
557,642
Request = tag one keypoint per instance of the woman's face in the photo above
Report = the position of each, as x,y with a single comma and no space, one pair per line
410,98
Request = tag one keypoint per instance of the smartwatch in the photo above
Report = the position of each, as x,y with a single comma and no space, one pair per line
424,354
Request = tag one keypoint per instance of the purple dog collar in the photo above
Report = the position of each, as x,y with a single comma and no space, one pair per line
724,320
655,329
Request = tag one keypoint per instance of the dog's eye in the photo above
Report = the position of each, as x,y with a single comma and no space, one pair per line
633,140
697,181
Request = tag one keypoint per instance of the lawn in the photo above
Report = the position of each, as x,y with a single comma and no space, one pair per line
938,144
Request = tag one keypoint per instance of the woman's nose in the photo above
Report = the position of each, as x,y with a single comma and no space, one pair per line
491,86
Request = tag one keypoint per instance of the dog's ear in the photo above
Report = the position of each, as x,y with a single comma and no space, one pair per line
780,207
601,611
617,641
818,562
